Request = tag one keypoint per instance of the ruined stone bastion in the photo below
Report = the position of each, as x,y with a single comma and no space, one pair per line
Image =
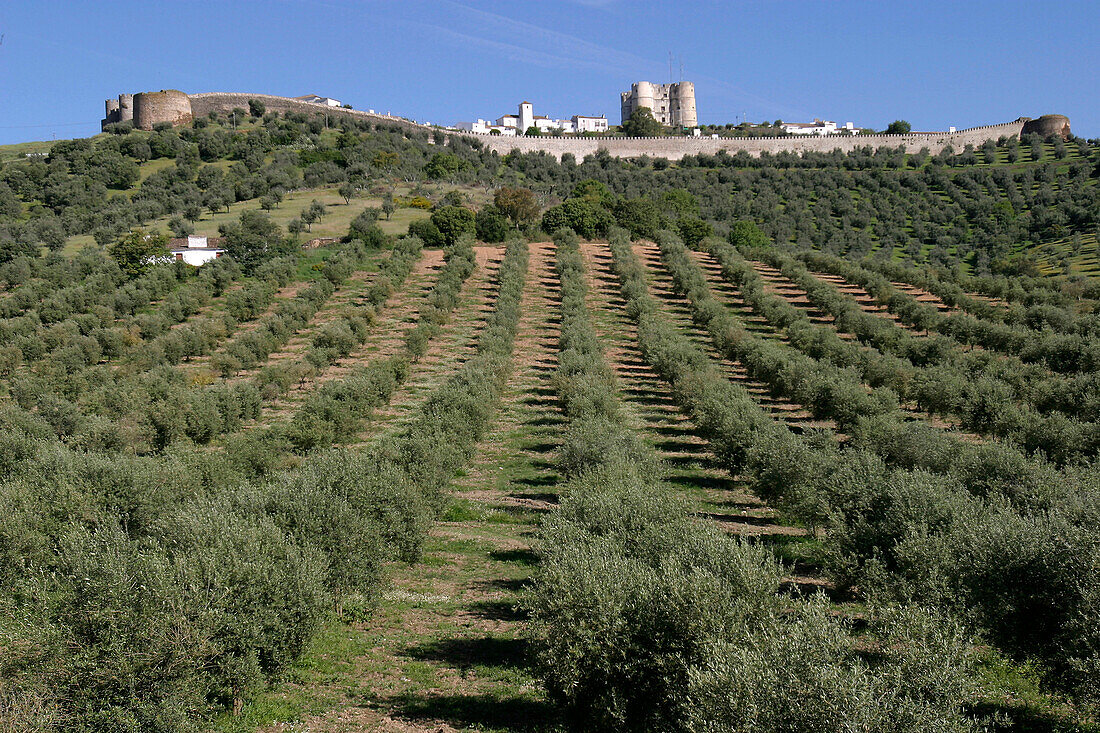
179,108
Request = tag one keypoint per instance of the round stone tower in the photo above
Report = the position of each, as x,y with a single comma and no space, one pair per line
1048,126
167,105
125,107
684,101
645,96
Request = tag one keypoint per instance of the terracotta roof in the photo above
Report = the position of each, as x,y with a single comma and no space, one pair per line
181,243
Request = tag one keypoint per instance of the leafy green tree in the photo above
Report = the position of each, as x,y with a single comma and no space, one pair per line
256,108
518,204
295,227
365,229
639,216
899,127
588,219
680,202
314,213
642,123
136,251
428,232
492,226
253,240
747,234
452,222
347,191
693,231
388,205
444,166
594,191
386,161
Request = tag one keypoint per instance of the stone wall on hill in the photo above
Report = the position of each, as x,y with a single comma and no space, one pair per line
203,104
675,148
672,148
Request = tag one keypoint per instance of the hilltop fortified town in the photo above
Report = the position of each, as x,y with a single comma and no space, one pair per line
146,109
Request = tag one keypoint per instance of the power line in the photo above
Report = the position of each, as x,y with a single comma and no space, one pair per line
56,124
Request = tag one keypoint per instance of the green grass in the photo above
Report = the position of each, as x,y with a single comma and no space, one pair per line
337,219
19,151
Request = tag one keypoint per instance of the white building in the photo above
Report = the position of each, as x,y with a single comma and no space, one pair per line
818,127
586,123
314,99
195,250
487,127
525,119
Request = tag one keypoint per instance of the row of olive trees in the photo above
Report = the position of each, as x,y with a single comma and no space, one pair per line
1000,541
982,403
144,593
1028,302
1063,352
646,618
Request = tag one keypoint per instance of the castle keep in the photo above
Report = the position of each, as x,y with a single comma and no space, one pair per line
671,104
149,108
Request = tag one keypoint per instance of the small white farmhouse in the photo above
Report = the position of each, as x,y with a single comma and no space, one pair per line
316,99
195,250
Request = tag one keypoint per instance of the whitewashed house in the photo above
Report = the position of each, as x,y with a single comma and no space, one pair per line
195,250
587,123
818,127
315,99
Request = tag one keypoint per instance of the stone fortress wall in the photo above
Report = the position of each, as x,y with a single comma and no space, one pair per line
179,108
204,104
675,148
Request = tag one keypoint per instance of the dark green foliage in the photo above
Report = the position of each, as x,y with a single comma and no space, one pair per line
453,222
642,123
640,217
254,240
588,219
491,225
427,232
364,227
138,251
644,618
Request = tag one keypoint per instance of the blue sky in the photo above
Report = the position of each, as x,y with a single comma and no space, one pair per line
936,64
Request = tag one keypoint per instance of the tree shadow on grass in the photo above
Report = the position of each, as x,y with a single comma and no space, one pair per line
486,710
519,556
506,610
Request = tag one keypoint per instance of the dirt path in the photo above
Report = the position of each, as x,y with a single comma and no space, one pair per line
776,283
654,412
864,300
445,650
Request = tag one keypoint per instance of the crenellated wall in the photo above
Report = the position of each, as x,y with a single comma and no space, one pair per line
675,148
203,104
